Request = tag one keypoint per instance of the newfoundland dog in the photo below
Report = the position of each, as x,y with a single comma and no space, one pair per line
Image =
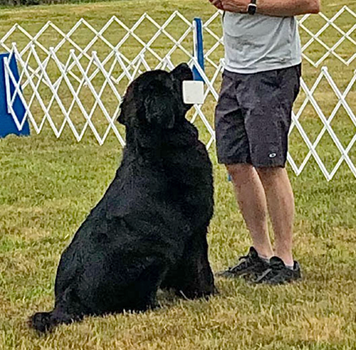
149,229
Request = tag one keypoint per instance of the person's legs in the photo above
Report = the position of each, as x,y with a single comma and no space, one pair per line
280,203
252,141
267,123
233,148
258,191
251,198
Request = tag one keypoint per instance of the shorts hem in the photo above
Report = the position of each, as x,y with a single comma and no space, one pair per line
269,165
233,161
255,165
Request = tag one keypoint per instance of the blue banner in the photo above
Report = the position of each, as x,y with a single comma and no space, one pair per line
7,124
198,48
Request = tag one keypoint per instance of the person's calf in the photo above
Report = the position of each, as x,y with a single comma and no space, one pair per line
251,199
280,203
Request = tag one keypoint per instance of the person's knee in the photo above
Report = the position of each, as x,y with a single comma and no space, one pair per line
271,174
269,171
241,173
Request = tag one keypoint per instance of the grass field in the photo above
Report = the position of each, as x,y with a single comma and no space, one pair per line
49,185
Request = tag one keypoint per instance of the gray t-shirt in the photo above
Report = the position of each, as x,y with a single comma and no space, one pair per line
256,43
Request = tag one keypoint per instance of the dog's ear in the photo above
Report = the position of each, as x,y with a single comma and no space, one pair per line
128,109
160,110
182,72
179,74
122,118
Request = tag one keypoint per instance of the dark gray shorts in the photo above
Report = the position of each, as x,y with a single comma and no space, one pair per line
253,116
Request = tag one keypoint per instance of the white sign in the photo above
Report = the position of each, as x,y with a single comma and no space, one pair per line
193,92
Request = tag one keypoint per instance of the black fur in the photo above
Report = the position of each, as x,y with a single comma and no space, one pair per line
149,229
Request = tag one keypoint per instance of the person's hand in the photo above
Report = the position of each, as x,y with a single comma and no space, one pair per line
217,4
235,5
231,5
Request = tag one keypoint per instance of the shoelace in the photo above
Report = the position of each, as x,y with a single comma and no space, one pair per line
275,269
262,276
245,257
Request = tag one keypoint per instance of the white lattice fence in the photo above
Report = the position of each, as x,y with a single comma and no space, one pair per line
345,104
76,80
80,95
146,37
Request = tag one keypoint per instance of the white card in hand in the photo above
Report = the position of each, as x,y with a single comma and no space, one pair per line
193,92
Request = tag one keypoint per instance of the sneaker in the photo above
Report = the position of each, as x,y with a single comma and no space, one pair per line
250,266
279,273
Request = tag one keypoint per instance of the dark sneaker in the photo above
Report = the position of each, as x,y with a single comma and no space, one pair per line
250,266
279,273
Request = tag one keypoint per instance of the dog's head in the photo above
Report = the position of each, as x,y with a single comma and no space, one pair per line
155,99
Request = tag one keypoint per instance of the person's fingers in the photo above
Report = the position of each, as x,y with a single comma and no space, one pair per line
217,4
231,6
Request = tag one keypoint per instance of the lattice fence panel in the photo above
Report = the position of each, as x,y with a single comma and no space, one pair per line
76,79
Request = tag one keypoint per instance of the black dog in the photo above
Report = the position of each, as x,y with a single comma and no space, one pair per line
149,230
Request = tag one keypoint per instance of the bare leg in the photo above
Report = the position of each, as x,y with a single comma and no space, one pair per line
251,198
280,202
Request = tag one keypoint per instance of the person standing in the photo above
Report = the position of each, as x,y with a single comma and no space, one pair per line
261,81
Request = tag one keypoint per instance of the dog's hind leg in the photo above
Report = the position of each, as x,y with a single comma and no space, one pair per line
66,311
192,277
142,295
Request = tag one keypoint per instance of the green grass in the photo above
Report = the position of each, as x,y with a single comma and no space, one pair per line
49,185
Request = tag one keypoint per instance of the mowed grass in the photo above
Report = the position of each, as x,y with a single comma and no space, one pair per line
48,186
